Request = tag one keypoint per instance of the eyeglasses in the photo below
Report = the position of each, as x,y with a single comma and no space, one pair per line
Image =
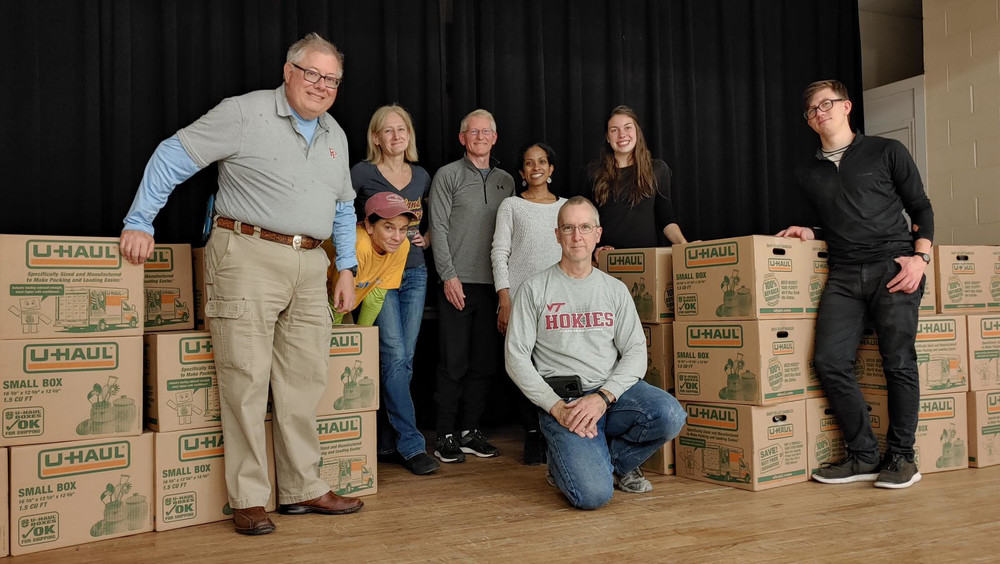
476,132
311,76
825,105
585,229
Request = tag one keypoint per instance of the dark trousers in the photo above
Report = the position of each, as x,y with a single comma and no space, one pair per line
856,295
468,356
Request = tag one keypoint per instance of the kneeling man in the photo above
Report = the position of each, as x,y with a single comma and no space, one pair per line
572,320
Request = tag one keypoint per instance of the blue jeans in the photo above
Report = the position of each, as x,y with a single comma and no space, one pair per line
398,325
856,294
634,427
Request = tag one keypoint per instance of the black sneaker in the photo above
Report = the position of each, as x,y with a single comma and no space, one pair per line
421,464
473,442
534,449
846,471
447,449
897,472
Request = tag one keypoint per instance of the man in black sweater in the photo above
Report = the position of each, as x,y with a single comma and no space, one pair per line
860,187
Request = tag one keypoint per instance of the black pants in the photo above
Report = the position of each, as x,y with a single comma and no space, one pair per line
854,295
469,343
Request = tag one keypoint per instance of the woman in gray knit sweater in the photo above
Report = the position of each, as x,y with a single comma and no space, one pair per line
524,244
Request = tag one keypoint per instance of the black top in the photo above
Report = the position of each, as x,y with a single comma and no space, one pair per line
861,204
368,181
629,227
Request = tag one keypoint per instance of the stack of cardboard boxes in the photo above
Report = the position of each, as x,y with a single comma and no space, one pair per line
71,342
743,343
648,274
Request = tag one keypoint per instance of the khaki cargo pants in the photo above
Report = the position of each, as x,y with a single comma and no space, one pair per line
270,324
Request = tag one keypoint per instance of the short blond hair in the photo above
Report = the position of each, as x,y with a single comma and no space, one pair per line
313,42
477,113
378,122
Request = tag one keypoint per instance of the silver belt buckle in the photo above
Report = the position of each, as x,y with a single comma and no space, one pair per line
297,242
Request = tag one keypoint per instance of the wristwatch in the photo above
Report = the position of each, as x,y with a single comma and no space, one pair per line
925,256
354,269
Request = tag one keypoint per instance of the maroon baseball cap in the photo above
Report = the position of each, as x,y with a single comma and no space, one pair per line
387,206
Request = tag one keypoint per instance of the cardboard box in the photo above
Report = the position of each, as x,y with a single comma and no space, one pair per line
968,278
4,503
746,447
168,289
752,277
816,258
347,453
69,389
984,352
942,433
984,428
200,291
648,274
181,387
749,362
662,461
59,286
942,358
65,494
928,302
354,371
826,441
190,476
659,355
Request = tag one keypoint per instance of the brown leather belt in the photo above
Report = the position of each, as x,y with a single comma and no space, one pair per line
296,242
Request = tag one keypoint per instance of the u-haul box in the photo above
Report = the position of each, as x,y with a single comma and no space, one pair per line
181,387
659,355
347,453
746,447
968,278
942,359
648,274
54,287
750,362
826,440
168,290
352,385
190,476
65,494
942,433
4,504
662,461
752,277
984,428
984,352
70,389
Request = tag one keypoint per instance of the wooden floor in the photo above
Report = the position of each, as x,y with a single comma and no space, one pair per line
491,510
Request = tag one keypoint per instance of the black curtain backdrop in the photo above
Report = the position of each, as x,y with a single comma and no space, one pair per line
92,86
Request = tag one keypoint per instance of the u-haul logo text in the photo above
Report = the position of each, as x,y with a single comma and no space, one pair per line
963,267
71,461
161,261
200,446
783,347
989,328
775,432
339,429
713,416
720,254
70,357
345,344
72,254
715,336
626,262
779,265
196,350
993,403
937,408
937,330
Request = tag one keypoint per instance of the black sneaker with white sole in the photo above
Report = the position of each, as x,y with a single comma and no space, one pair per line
897,472
447,449
848,470
473,442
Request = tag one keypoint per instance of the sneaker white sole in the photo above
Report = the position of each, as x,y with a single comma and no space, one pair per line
467,450
847,480
892,486
446,459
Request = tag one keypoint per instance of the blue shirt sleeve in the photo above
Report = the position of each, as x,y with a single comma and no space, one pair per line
169,166
345,236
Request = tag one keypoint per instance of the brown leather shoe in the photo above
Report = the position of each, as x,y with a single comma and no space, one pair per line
327,504
252,521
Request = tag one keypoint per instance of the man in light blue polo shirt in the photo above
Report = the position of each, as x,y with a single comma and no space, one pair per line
284,186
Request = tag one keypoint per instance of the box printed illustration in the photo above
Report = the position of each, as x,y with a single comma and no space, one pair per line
190,476
648,274
984,428
347,453
168,289
69,389
942,433
54,286
942,359
984,352
71,493
352,384
181,387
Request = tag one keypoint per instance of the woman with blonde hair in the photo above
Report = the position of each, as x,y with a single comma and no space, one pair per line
392,148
